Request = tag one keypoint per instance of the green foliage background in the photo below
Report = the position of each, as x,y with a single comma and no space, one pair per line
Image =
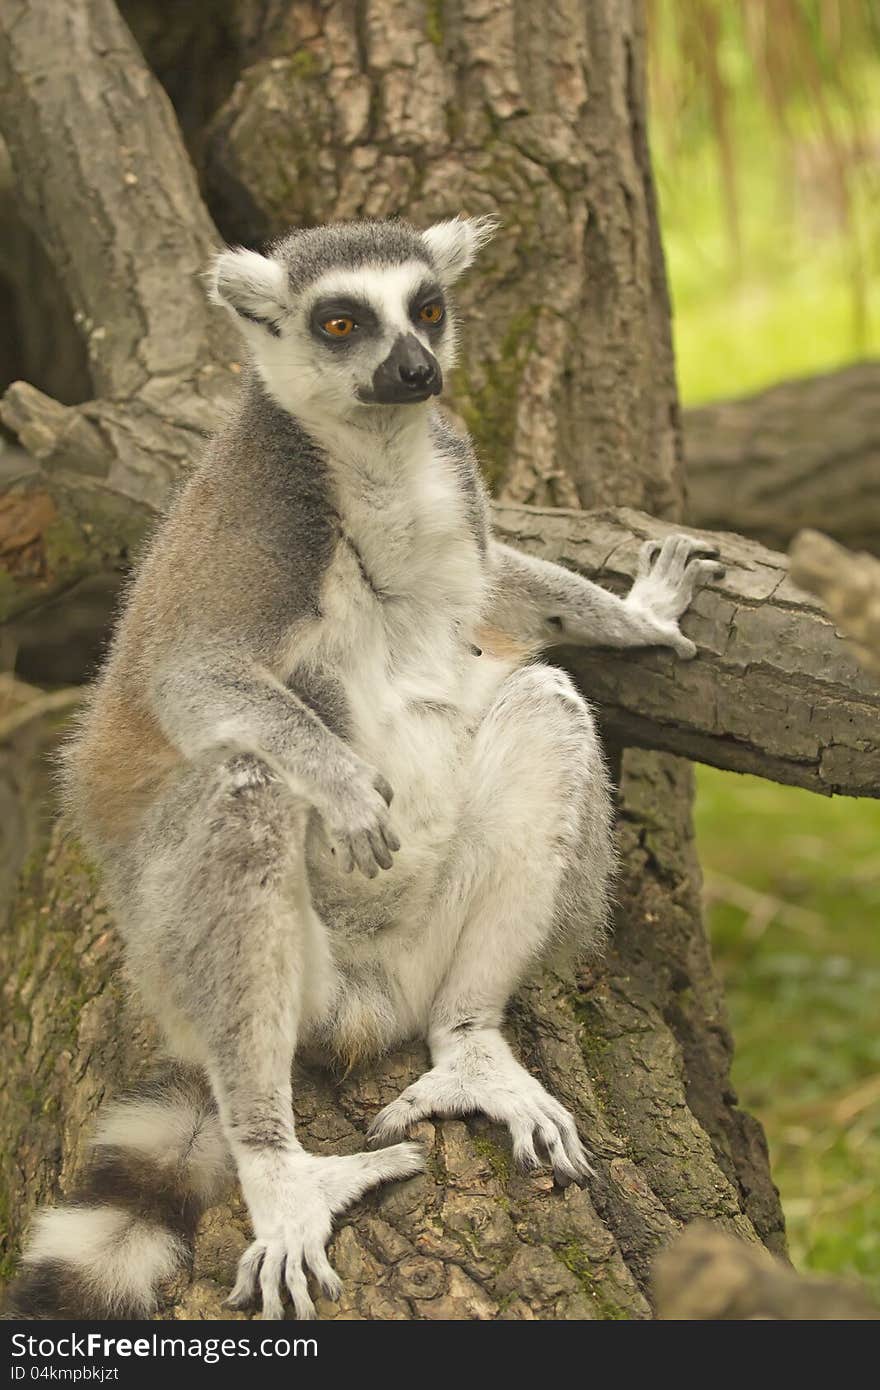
766,136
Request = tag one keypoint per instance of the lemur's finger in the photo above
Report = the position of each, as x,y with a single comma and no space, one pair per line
395,1119
571,1140
524,1151
564,1171
383,787
706,570
663,558
697,545
389,834
693,545
316,1259
368,1169
698,574
381,852
677,550
245,1290
363,854
389,1124
683,647
270,1283
297,1287
647,552
572,1143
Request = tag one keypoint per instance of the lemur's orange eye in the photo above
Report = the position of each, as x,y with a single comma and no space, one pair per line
338,328
431,313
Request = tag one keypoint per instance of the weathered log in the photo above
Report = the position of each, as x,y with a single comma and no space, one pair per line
802,454
847,584
774,690
705,1274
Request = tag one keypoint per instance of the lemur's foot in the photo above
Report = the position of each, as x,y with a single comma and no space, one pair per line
669,574
293,1203
481,1074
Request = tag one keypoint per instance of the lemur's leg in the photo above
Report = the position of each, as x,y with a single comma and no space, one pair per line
231,947
535,854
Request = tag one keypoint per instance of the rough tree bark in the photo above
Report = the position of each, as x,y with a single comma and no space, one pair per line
30,721
801,454
39,340
568,384
114,200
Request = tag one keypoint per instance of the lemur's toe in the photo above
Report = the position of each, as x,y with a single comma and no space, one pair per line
391,1124
245,1290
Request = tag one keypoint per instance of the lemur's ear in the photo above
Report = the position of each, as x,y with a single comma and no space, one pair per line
252,286
454,244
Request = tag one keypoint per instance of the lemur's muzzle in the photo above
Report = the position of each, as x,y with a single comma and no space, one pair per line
409,373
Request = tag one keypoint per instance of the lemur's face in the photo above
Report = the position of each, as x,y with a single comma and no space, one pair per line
384,334
350,317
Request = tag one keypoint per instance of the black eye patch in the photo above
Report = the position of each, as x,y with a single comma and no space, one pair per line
429,292
334,307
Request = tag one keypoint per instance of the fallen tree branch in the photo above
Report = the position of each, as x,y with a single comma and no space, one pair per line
803,453
847,584
774,690
706,1274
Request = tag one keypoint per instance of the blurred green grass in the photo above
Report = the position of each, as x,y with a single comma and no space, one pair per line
793,894
793,879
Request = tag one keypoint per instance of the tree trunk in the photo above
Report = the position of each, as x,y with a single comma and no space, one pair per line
802,454
567,381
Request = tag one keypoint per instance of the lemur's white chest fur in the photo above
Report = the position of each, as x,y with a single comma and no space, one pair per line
399,609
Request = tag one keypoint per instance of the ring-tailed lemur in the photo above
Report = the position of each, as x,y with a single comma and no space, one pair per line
317,625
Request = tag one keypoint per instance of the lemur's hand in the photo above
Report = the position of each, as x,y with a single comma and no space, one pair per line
668,576
354,808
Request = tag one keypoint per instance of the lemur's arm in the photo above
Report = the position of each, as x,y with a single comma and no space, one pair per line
217,705
539,602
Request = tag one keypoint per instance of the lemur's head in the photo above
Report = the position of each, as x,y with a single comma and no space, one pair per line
354,315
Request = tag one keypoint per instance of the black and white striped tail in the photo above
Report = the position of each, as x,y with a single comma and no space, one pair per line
157,1160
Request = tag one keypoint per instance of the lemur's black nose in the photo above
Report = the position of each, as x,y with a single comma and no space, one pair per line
409,373
420,374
